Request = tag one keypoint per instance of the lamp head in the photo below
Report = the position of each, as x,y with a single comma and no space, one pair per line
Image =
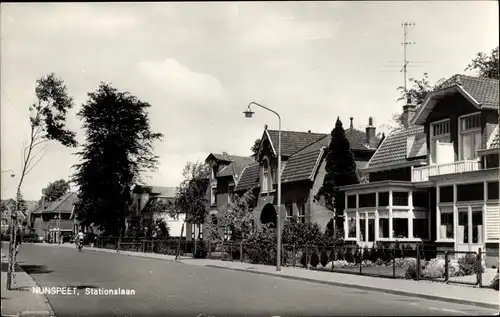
248,113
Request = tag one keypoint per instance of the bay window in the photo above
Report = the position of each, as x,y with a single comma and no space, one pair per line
383,225
440,132
446,228
351,226
463,225
470,136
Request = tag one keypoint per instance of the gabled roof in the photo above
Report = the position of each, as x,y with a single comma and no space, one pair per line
401,148
236,166
292,141
481,92
249,178
62,205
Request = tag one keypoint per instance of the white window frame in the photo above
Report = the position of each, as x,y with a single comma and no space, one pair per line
213,198
435,138
289,213
301,207
472,131
266,175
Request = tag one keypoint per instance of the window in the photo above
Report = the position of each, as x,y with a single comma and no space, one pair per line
200,226
367,200
289,210
302,212
470,192
446,194
351,201
362,229
383,228
400,199
421,228
470,136
463,225
493,191
265,176
400,227
371,230
383,199
193,231
420,199
440,132
351,227
227,233
446,228
477,225
213,196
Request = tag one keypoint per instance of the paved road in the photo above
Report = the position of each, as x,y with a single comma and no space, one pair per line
165,288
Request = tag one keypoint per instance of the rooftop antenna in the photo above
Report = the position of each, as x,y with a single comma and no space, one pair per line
405,43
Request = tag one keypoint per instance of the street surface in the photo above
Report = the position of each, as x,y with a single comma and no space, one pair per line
164,288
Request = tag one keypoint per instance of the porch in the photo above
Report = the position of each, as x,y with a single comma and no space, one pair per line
386,211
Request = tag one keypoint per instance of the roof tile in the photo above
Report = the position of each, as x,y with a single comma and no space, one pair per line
483,90
249,177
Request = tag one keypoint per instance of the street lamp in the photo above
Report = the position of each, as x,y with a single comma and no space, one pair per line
12,175
58,232
248,114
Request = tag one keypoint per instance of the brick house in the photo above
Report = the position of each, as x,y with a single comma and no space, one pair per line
436,179
225,171
303,170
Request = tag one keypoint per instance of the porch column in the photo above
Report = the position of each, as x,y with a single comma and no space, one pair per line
357,217
455,216
411,214
429,208
485,208
438,213
390,215
366,226
376,217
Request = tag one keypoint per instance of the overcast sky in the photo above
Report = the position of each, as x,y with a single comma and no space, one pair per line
200,64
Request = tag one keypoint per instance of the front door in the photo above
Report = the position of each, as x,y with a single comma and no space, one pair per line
470,230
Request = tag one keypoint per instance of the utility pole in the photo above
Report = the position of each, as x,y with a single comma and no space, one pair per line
405,43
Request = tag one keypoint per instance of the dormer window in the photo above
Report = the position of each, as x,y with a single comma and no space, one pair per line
469,136
266,175
440,132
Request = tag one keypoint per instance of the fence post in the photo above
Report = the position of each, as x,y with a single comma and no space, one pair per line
361,256
446,273
294,255
333,257
241,251
143,246
307,258
223,250
232,243
394,263
418,262
479,269
209,249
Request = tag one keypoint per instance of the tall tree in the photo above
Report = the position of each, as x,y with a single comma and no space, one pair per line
47,122
340,171
118,147
485,65
237,216
21,203
416,94
191,198
255,149
55,190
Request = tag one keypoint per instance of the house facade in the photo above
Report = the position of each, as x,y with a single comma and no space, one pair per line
303,171
52,221
435,180
144,196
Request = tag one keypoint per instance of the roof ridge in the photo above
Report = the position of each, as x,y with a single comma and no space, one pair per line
305,132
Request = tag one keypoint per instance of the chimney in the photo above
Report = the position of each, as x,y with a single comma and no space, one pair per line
408,112
351,122
370,131
308,131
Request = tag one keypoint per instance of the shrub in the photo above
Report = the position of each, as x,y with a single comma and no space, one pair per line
201,251
340,264
303,258
454,268
348,255
340,254
314,258
323,258
411,271
468,264
434,269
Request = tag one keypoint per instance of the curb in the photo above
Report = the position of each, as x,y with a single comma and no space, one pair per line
366,288
48,313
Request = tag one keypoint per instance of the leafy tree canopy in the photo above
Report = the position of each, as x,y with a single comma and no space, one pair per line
485,65
238,217
55,190
255,149
118,147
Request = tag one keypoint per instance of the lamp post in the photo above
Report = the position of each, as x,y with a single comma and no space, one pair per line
248,114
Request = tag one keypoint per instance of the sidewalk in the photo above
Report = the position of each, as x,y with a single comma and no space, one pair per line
482,297
21,301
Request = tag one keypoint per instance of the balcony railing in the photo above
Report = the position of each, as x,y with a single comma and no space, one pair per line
422,174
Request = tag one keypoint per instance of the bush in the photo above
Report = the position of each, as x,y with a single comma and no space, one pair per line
411,271
31,238
340,254
468,264
324,258
303,258
314,258
201,251
434,269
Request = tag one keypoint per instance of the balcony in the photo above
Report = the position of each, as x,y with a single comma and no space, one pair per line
422,174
